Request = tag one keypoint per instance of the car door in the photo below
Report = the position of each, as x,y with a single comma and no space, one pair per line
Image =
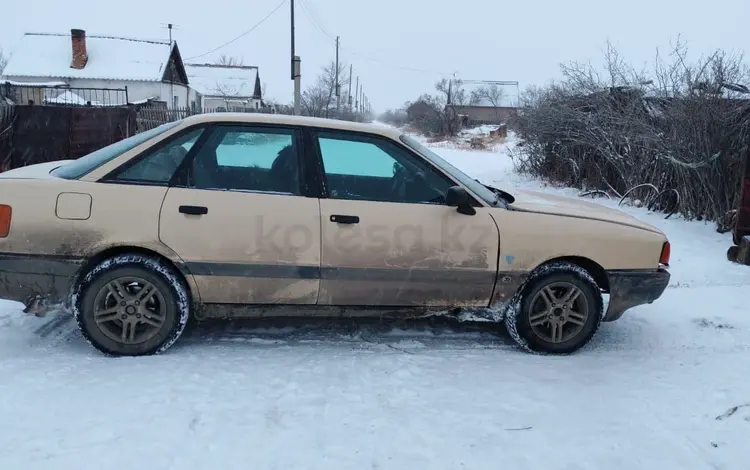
388,238
240,219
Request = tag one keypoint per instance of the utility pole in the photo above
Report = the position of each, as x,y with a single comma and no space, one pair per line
338,87
350,87
295,63
356,97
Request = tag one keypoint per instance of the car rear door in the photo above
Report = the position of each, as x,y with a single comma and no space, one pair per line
241,220
388,238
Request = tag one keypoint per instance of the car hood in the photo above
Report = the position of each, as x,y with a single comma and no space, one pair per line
38,171
542,203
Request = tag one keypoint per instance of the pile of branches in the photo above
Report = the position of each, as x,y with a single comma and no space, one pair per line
683,128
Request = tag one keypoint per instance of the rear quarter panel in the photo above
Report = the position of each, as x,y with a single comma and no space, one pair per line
119,215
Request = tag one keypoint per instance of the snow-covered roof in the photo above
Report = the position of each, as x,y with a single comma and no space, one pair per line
49,55
222,80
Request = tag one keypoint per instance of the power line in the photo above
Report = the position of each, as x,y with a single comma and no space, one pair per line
395,65
243,34
315,21
318,24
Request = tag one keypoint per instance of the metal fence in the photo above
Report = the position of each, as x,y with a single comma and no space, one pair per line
45,95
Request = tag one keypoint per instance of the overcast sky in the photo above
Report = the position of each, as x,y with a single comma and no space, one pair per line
400,48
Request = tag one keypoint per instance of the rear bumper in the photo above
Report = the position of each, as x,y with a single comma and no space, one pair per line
628,289
37,281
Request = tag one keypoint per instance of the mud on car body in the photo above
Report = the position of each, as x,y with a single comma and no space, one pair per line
241,215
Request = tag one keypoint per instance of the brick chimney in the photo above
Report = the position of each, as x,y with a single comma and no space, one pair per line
78,38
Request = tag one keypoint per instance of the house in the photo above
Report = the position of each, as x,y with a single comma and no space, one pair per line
225,87
486,104
92,66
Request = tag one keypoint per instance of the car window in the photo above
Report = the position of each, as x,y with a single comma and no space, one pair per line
158,165
245,159
346,157
94,160
475,186
374,169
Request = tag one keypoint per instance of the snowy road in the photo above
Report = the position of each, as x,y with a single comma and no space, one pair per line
658,389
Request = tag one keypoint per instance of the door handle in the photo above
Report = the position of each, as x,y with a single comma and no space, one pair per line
345,219
194,210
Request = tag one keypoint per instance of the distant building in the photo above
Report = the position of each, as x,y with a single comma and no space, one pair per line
150,69
485,103
226,87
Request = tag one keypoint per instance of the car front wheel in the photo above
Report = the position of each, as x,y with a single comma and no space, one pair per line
131,305
558,310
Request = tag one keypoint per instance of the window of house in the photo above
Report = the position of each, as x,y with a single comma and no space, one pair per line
159,165
240,158
372,169
175,102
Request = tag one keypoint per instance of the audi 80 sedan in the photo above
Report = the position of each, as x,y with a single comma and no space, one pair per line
250,215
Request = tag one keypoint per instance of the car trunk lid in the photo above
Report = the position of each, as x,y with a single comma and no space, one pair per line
37,171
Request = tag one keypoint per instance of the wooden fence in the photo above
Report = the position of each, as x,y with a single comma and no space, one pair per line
149,117
7,118
46,133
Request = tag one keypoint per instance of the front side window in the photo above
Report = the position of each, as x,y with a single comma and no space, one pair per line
373,169
475,186
158,165
241,158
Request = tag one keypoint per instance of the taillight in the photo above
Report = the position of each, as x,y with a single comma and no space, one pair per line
665,252
5,215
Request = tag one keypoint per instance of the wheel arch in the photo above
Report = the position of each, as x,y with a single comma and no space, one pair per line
592,267
112,251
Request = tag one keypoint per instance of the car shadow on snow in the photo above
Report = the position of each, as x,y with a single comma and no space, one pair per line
58,330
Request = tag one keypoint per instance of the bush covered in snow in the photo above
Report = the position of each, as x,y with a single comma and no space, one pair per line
681,125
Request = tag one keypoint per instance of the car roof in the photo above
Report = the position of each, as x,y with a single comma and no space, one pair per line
283,119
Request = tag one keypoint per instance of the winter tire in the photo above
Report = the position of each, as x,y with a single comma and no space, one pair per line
557,310
131,305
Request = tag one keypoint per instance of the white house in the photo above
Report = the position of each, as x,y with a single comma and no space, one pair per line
226,87
148,69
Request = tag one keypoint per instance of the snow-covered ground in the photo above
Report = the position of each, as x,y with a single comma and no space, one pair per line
666,387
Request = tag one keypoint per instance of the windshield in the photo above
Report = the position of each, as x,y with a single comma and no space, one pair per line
94,160
476,187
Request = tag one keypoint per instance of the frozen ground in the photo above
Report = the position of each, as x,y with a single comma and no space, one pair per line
667,387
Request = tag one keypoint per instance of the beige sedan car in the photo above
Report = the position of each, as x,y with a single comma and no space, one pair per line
250,215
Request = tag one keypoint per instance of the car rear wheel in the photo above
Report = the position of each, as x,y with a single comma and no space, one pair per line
558,310
132,305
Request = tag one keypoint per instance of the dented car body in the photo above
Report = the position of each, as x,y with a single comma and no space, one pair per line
279,215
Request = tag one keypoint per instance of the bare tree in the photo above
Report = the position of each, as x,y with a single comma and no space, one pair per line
682,128
451,91
3,61
229,61
487,95
319,99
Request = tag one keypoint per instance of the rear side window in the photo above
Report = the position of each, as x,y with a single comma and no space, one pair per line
158,165
246,158
94,160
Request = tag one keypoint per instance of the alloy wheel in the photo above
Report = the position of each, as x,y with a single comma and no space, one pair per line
129,310
558,312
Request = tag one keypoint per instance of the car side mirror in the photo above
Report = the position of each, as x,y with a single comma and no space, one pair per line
456,196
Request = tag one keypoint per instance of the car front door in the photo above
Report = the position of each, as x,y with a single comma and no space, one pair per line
388,237
239,217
